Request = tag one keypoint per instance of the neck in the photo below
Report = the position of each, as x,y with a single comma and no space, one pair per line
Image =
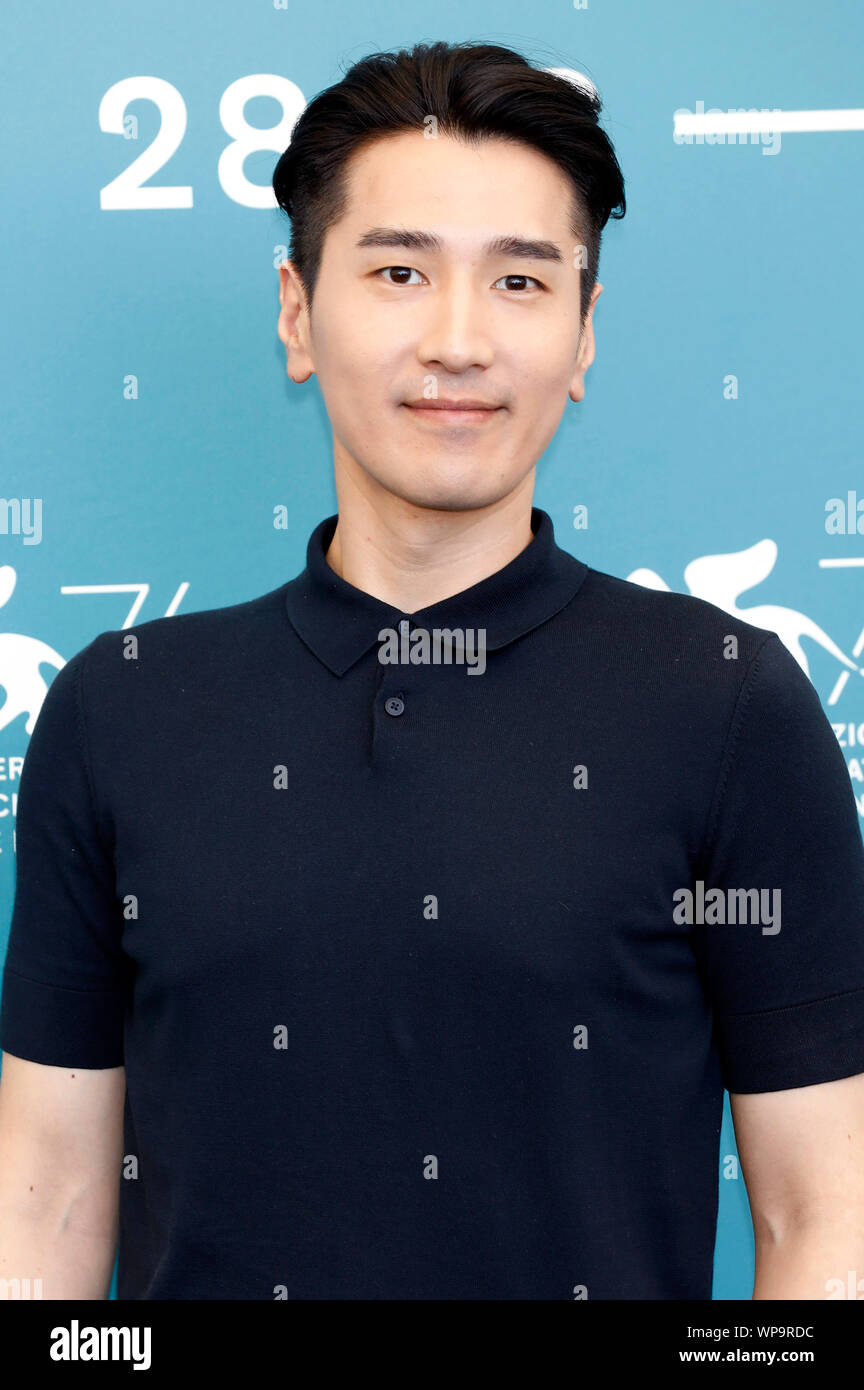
412,557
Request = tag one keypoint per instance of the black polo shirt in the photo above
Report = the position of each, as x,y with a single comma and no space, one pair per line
397,956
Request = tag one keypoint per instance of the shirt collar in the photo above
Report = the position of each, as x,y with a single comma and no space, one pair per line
340,622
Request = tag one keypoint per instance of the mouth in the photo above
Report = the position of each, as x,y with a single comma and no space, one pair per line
453,412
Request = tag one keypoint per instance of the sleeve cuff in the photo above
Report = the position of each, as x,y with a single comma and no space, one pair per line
779,1049
61,1027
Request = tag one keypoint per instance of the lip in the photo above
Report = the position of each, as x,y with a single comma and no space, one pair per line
451,403
466,411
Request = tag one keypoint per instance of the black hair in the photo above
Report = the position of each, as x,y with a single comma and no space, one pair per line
474,91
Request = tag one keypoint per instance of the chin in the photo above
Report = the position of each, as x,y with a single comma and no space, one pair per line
444,497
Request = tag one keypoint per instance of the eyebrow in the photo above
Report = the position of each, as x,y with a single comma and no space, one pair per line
525,248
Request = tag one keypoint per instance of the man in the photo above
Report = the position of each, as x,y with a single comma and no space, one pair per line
426,904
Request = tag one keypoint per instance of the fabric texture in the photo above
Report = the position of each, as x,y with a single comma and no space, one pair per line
392,953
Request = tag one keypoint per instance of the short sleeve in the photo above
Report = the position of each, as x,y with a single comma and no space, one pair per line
787,990
65,979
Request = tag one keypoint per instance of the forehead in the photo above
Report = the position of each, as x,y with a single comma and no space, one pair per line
406,178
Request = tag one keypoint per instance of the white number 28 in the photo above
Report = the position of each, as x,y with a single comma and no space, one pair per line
127,190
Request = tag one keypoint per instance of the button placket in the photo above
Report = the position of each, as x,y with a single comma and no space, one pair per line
395,699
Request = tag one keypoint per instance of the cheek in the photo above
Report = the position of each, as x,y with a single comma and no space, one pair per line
541,383
537,356
350,355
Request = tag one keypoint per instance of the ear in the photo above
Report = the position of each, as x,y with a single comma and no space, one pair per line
293,324
585,354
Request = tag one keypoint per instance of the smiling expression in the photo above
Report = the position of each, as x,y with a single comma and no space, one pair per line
452,280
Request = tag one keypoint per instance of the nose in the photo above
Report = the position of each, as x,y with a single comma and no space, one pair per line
457,329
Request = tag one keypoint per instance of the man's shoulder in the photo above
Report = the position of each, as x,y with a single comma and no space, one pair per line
182,641
664,621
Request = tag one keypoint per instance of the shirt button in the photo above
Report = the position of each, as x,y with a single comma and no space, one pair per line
395,704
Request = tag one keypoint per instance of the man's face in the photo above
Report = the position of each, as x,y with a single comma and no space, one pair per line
399,321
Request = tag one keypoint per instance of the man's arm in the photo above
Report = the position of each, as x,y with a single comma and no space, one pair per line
802,1156
61,1142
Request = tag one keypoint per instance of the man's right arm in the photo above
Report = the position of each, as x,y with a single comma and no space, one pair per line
61,1149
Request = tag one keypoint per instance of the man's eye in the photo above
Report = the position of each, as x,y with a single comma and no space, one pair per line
401,270
520,277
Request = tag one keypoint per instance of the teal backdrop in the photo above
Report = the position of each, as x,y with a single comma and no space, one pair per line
151,439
